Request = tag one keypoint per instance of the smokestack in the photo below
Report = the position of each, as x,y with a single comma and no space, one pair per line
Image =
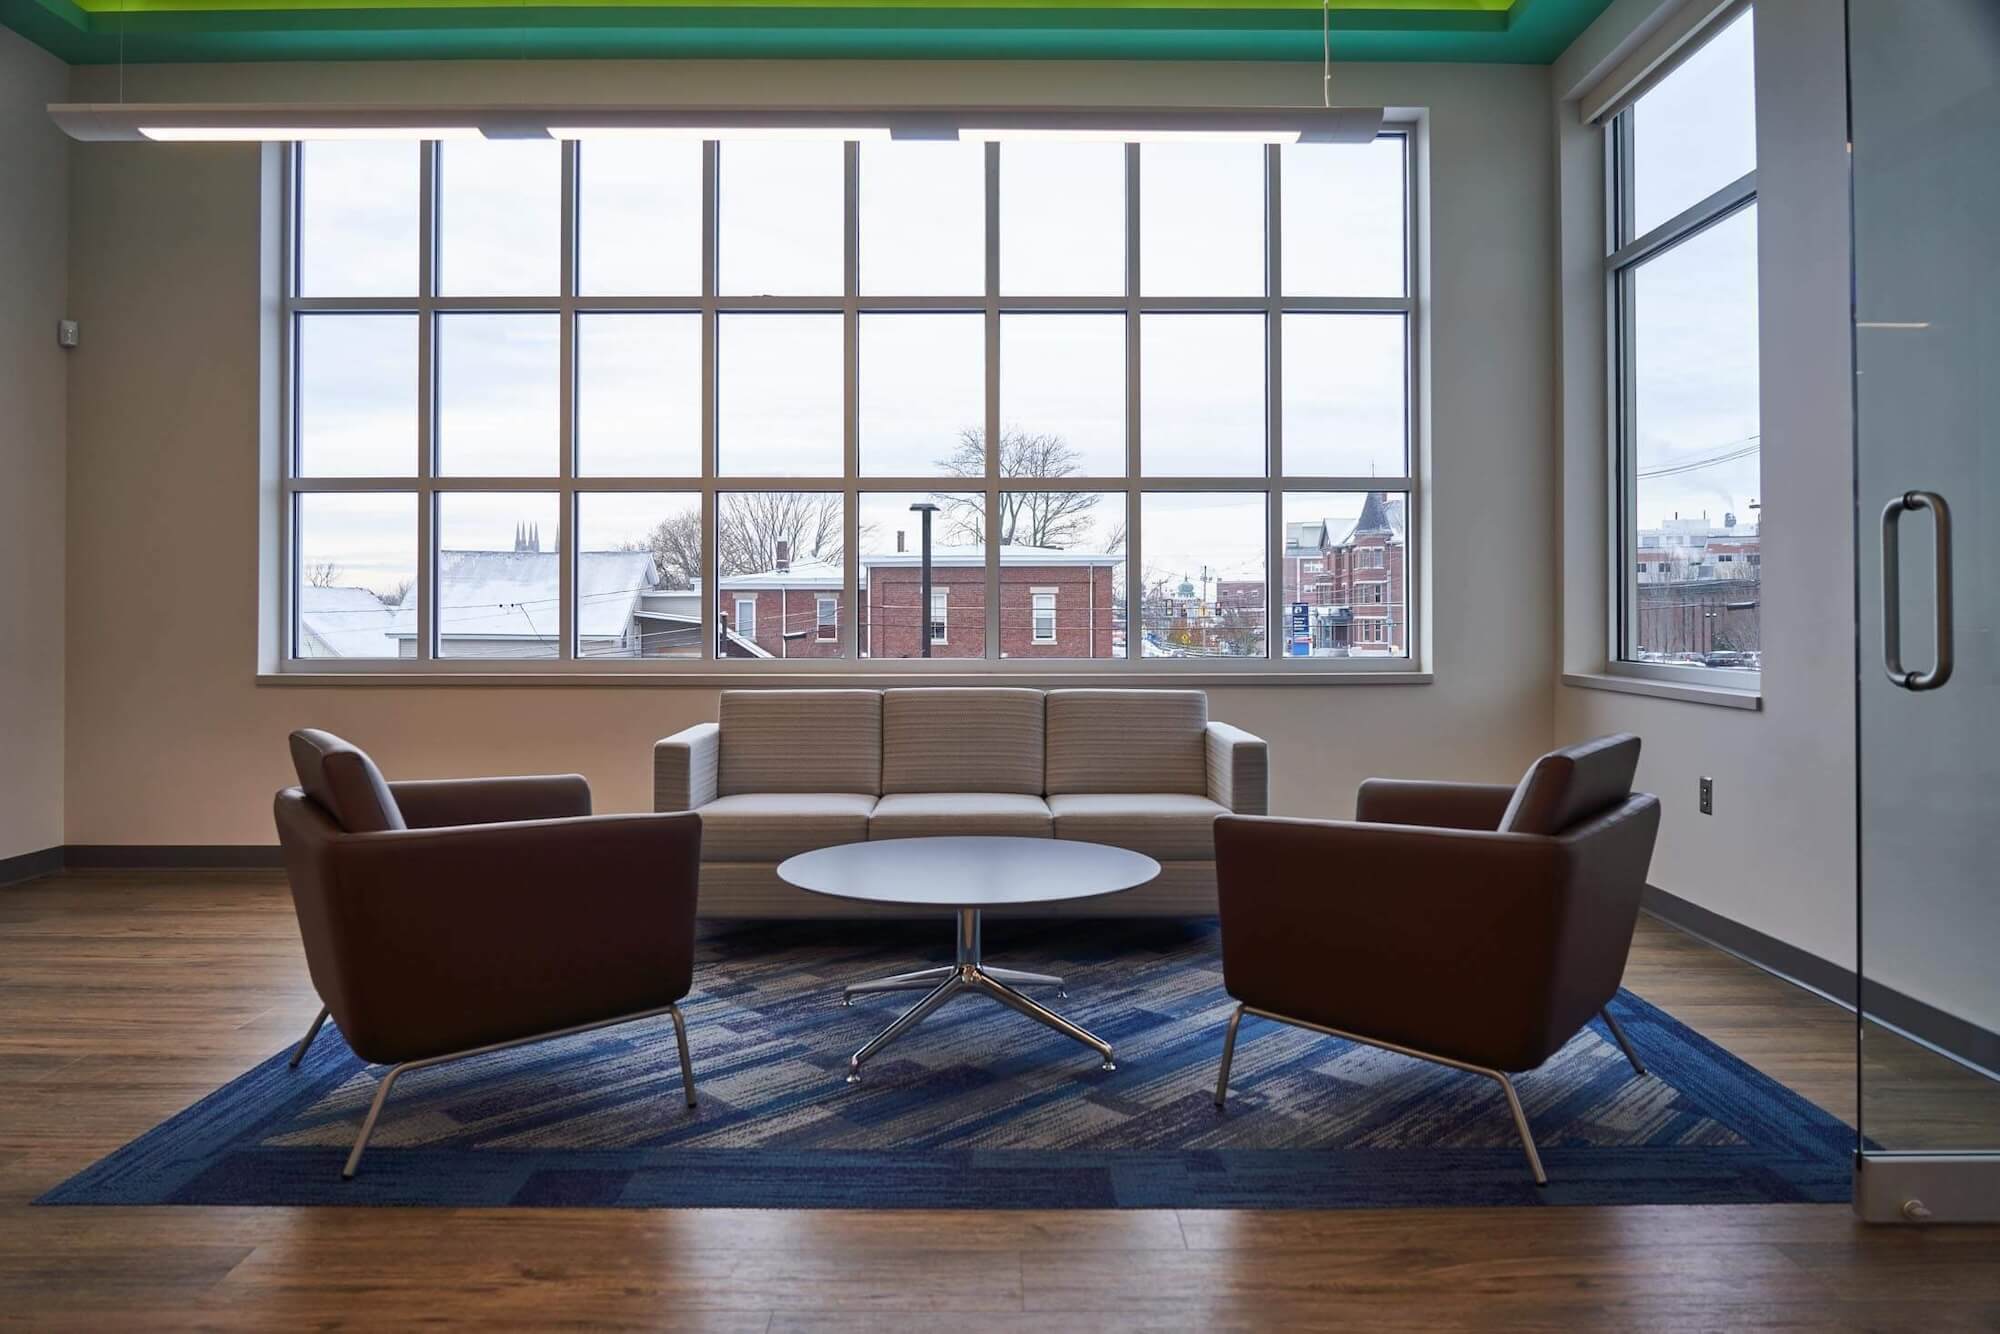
784,557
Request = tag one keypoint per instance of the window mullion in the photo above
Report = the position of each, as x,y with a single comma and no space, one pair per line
995,626
848,636
568,608
711,544
1134,538
427,561
1274,390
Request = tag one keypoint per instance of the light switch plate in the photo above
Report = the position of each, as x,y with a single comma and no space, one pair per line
67,333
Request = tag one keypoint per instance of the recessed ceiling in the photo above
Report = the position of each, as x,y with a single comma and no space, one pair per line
140,31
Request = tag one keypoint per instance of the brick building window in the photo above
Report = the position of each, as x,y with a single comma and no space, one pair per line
1045,618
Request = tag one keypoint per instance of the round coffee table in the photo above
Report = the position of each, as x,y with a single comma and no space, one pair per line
967,875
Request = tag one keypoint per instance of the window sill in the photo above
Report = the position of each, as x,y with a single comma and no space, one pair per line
849,679
1720,697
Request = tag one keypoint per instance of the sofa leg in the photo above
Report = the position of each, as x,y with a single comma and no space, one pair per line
1624,1043
681,1041
1228,1055
1521,1126
299,1053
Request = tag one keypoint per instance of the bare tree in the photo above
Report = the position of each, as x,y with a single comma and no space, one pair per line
752,523
1058,519
675,545
398,591
322,574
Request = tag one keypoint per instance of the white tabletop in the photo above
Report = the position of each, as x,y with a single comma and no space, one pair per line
968,872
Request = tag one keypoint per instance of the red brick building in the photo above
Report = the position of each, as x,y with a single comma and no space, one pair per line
1053,604
1351,580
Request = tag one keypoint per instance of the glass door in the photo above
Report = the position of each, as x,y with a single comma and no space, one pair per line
1924,124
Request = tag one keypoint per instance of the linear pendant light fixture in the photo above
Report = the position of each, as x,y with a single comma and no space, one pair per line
257,122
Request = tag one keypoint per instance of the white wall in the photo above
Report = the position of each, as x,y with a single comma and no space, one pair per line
171,739
34,194
1778,855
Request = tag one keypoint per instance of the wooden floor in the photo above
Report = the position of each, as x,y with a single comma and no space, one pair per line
122,999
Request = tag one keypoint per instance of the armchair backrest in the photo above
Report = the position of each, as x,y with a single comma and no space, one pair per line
1566,787
340,778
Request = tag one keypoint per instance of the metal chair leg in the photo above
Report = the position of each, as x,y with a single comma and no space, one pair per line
1228,1055
374,1114
1624,1043
681,1040
299,1052
1521,1127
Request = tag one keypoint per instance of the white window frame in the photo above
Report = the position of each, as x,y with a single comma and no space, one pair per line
1624,255
939,624
826,616
427,485
746,626
1035,610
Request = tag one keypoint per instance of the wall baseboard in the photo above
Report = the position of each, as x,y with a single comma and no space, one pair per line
1956,1037
140,857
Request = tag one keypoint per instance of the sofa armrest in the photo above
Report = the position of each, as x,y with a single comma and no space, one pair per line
1238,769
685,766
452,938
1434,805
1446,941
438,802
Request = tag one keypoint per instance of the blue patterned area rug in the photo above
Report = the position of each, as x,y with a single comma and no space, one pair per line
980,1108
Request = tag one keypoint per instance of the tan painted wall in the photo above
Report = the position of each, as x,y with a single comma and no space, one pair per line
171,740
34,162
1778,854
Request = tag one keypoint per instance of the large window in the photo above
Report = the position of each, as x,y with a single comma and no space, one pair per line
1683,273
641,403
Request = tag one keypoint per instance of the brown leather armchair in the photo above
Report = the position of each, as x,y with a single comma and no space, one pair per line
1475,926
449,919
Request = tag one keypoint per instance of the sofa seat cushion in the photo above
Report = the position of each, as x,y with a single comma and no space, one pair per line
771,826
1168,826
928,814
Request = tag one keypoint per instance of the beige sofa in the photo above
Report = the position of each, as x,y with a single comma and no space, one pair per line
786,771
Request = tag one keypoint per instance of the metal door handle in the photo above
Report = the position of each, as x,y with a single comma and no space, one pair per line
1892,592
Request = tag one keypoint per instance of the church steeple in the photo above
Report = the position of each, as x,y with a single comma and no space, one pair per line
527,537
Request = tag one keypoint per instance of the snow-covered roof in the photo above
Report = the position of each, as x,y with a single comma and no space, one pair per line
804,574
1380,514
511,594
829,574
344,623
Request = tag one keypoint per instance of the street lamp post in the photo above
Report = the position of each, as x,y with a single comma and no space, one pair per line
925,508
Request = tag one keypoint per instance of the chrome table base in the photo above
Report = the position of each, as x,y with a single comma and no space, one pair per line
968,974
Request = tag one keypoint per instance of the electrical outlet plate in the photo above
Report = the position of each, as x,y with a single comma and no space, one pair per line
1708,796
67,333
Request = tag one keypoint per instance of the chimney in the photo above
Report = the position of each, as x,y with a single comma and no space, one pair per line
900,548
784,557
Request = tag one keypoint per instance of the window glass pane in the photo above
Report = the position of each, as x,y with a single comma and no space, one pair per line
923,394
358,218
1694,506
499,575
923,218
498,410
1201,409
1342,207
1344,575
1062,396
1346,395
1202,574
500,217
782,552
1062,574
355,591
1696,130
779,395
1201,219
357,392
637,561
892,574
780,232
638,217
1062,219
638,395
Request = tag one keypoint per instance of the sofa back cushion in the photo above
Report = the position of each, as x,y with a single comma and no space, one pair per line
344,782
1570,785
801,741
1127,741
959,739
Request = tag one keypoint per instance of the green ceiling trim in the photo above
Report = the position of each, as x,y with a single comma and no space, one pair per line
1527,31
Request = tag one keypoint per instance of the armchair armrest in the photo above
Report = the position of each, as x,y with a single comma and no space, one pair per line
454,938
1433,805
1238,769
685,766
1442,940
440,802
